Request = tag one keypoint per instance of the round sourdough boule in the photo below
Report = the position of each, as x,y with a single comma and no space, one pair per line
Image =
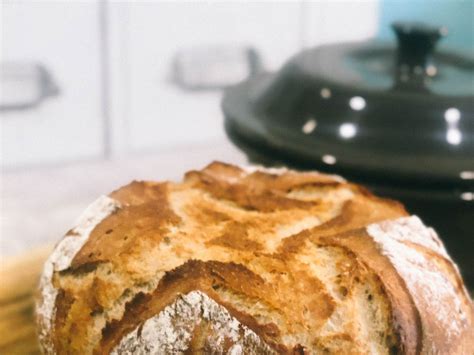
251,261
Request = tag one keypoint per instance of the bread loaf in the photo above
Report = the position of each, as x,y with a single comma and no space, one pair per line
251,261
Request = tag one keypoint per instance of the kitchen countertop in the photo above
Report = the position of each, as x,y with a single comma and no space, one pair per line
38,205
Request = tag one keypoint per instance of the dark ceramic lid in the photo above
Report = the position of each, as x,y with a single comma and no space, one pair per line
400,112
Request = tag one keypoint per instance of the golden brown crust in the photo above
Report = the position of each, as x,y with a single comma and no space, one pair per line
144,220
287,254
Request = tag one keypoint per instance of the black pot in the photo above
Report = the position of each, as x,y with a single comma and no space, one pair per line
398,119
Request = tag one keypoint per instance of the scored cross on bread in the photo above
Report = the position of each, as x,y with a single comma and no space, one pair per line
237,260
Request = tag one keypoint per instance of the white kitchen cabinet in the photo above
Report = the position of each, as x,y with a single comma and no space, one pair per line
148,36
64,38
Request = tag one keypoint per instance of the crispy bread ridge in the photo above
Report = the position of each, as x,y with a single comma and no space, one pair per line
256,261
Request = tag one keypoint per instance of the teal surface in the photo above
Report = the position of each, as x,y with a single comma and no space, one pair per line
456,15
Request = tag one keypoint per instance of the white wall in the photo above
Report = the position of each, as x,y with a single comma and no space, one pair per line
146,111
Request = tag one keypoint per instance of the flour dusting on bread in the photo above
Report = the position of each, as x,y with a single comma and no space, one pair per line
171,331
62,256
423,277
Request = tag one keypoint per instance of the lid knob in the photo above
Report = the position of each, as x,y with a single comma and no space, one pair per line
416,42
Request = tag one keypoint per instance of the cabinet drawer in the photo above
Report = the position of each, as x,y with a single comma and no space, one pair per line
160,114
